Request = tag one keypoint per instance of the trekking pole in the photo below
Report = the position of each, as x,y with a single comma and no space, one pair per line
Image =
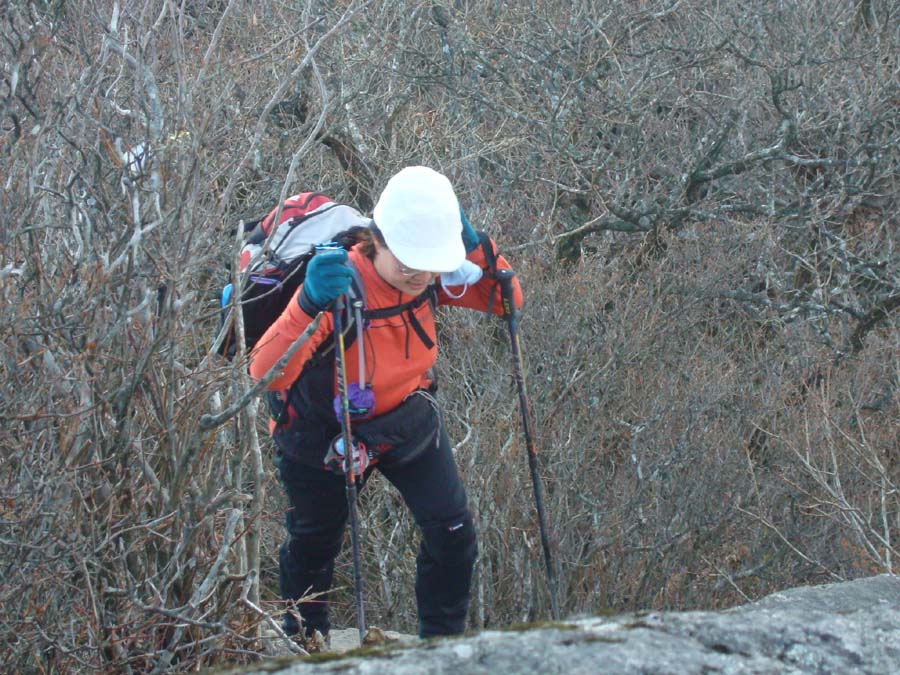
505,278
349,472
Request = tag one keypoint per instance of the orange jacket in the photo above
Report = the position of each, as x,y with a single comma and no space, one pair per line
396,360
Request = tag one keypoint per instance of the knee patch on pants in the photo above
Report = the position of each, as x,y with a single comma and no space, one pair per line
444,576
452,543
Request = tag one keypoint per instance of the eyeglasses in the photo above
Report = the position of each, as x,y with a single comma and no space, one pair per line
405,271
408,271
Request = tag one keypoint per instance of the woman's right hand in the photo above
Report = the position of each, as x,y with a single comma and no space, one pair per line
327,278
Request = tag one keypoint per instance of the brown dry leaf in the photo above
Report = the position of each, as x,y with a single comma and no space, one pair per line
375,636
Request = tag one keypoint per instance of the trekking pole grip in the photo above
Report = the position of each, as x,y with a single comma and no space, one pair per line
505,279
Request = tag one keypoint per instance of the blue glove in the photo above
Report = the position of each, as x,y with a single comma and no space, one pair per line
469,235
327,277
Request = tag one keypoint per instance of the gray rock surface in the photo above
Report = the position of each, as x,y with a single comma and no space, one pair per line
851,627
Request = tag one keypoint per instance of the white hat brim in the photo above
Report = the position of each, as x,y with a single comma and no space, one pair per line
445,258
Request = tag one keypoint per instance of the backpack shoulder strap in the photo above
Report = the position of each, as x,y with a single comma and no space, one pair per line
429,295
488,249
491,258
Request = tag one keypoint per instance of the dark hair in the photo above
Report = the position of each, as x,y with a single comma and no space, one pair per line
367,239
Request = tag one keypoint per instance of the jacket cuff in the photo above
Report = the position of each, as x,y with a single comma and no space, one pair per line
306,304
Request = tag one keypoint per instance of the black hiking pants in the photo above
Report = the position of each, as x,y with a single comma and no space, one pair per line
318,511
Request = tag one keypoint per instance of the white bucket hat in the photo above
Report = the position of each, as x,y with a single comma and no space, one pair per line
418,214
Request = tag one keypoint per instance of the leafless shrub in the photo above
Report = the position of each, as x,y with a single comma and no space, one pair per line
700,199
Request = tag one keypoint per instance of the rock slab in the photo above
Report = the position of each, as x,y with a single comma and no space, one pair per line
847,628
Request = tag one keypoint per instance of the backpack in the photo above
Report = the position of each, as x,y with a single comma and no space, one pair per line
276,255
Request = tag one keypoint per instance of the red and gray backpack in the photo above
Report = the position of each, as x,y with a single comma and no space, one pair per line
276,255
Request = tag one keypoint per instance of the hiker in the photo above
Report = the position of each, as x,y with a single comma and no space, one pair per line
420,251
